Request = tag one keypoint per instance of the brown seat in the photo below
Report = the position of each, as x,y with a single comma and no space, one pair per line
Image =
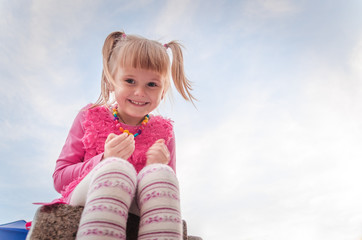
60,222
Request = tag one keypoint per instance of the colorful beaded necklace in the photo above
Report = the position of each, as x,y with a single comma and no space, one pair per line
139,131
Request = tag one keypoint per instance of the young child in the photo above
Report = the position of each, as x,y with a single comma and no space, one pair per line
119,159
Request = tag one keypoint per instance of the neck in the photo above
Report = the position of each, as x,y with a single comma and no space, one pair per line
133,121
130,121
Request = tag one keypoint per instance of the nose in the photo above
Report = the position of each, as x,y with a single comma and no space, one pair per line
139,91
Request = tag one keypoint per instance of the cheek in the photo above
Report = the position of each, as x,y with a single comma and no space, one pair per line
159,95
121,91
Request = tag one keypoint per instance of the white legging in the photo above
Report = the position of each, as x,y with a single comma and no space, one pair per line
108,191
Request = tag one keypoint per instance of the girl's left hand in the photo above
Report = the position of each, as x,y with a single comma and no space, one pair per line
158,153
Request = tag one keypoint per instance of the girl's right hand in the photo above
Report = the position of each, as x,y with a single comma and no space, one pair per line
121,146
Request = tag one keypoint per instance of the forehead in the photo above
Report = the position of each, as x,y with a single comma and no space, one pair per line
139,73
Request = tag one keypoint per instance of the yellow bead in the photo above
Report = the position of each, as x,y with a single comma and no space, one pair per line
126,131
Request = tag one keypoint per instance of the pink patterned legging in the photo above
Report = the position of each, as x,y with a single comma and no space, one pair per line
108,191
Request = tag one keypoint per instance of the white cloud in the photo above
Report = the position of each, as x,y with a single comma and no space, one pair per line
175,18
356,59
279,168
265,9
40,68
254,17
283,164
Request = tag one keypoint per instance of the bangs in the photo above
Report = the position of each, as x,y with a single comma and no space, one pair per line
144,54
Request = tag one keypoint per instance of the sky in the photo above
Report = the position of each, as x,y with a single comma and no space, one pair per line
272,149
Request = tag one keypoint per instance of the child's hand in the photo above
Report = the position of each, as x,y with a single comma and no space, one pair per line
158,153
121,146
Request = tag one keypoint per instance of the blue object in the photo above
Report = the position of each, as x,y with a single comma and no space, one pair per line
13,231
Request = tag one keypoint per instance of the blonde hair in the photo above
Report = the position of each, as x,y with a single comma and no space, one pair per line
121,50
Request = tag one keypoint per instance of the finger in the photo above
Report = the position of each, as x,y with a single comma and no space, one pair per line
166,152
110,137
126,152
166,156
126,144
160,140
129,152
154,148
151,152
130,139
158,144
162,147
157,155
151,157
117,140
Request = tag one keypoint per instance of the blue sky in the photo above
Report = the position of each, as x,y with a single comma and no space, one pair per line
273,150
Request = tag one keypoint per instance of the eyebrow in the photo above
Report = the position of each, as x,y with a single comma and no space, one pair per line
128,75
132,76
156,80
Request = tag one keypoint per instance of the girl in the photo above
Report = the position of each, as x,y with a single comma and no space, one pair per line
119,159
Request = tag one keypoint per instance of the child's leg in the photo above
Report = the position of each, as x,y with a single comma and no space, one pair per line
111,188
159,203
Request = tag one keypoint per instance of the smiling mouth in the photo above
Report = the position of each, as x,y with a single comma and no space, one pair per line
137,103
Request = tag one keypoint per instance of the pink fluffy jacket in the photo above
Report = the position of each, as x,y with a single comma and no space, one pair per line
84,146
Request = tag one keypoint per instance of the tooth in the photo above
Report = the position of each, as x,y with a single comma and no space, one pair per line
138,103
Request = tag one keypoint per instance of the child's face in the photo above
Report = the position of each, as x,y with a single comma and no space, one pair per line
138,92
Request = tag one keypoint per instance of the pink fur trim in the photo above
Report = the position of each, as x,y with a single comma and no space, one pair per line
99,123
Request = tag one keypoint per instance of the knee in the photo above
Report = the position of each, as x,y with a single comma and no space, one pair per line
157,184
157,172
116,166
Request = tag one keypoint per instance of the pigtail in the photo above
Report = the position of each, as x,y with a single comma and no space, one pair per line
182,84
107,81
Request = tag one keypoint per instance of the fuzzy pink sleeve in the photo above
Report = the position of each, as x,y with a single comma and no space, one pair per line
70,164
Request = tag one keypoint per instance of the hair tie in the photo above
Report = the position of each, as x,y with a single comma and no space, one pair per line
165,45
123,36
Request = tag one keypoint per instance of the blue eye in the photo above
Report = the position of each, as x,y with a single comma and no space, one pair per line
130,81
152,84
